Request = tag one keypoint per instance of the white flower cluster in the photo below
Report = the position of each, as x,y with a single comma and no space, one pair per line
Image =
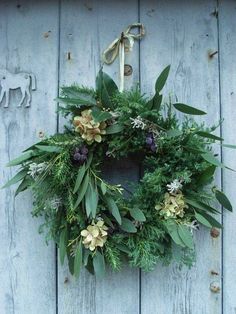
36,169
174,186
55,203
138,123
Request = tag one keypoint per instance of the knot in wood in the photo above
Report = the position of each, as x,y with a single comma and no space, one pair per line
215,287
128,70
215,233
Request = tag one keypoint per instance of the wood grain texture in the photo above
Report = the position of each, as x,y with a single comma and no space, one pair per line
27,265
88,27
182,33
227,41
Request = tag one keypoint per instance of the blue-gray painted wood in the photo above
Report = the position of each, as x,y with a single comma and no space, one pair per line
62,41
27,265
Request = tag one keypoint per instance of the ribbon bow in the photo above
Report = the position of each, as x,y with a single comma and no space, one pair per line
121,45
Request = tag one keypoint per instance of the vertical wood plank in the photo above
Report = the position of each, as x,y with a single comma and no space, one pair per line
27,265
88,27
227,43
183,33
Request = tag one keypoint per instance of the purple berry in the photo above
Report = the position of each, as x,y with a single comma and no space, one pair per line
77,156
149,140
84,150
83,158
153,147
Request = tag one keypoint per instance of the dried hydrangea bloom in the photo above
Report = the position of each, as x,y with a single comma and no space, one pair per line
89,129
95,235
173,206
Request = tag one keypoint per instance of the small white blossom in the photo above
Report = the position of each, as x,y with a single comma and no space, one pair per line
138,123
36,169
55,203
174,186
194,225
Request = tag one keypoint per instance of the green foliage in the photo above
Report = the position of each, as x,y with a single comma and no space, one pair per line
91,220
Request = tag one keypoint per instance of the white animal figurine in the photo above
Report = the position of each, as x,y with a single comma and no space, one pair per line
10,81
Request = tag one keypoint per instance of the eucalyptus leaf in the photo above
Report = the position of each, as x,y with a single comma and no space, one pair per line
80,176
200,205
114,128
202,220
188,109
155,102
207,175
173,133
78,259
101,116
211,220
19,160
18,177
186,236
63,245
26,182
171,227
49,149
161,80
128,226
223,200
91,200
82,190
113,208
103,187
209,135
137,214
99,265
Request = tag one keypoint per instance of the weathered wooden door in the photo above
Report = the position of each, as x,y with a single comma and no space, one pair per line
60,42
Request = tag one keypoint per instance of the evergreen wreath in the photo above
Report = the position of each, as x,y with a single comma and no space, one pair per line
90,219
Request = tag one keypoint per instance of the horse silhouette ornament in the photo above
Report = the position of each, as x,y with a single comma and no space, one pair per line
10,81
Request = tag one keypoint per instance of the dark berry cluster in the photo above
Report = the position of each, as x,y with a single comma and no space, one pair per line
151,142
80,155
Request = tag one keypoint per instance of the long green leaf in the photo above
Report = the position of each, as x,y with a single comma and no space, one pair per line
113,208
223,200
171,227
91,200
188,109
202,220
209,135
207,175
26,182
63,245
82,190
19,176
155,102
186,236
99,265
78,259
19,160
49,149
161,80
128,226
211,220
114,128
137,214
79,178
201,205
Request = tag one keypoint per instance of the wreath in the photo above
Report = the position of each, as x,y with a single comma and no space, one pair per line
96,223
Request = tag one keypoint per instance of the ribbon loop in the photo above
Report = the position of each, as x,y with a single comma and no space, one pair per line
120,45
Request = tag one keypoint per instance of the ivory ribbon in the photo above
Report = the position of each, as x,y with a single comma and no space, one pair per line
120,45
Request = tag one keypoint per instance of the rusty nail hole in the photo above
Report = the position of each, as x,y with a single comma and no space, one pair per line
213,272
41,134
215,233
46,34
68,56
128,70
18,6
215,287
212,54
215,13
66,280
